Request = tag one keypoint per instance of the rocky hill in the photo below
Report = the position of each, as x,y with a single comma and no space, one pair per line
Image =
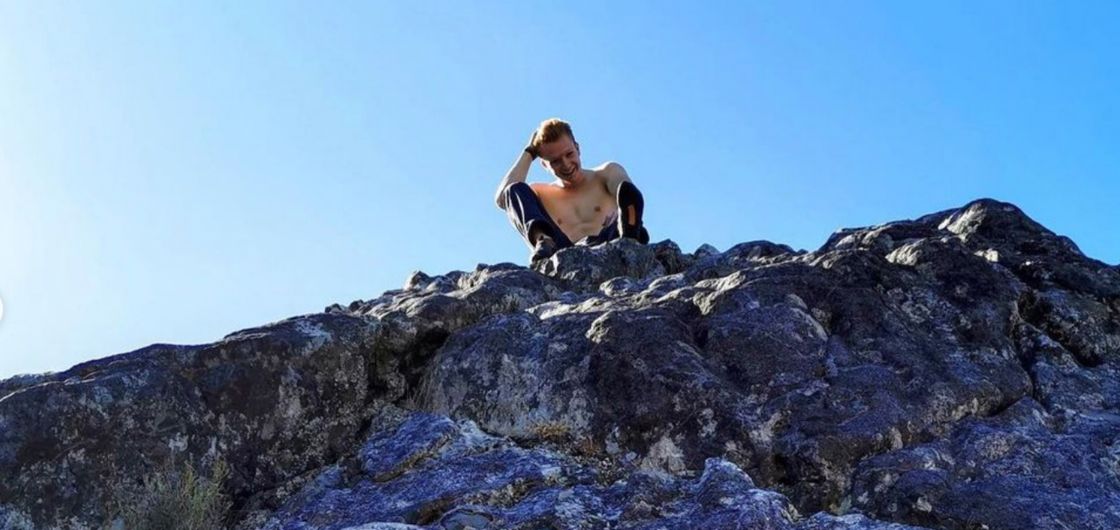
960,370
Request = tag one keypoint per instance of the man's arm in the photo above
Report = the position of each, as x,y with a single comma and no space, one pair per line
517,173
615,176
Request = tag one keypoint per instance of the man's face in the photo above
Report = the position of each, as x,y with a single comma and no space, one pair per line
561,157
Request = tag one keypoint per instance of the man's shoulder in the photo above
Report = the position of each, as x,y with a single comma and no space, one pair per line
612,175
608,172
609,167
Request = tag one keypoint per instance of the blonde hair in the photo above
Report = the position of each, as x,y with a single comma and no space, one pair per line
551,130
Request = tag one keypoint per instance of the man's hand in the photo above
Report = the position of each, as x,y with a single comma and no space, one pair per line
517,172
529,148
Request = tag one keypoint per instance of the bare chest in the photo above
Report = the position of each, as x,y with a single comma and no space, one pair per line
580,213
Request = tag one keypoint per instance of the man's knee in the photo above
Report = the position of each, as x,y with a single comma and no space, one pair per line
628,194
630,205
516,189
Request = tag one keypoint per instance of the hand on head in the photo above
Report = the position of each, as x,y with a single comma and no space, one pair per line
531,148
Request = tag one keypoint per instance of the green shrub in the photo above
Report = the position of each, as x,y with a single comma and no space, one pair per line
176,499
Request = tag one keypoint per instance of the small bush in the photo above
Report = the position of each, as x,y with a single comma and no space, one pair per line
416,397
551,431
177,499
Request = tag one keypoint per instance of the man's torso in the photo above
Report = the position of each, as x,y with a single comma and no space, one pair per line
583,211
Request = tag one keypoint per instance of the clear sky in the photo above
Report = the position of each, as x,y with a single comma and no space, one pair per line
175,171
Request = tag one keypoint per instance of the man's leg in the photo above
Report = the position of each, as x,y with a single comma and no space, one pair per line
528,216
629,223
630,205
610,233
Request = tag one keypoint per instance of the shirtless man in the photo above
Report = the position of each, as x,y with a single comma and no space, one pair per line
587,206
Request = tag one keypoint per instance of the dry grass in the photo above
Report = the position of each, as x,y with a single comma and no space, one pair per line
587,446
419,396
176,498
551,431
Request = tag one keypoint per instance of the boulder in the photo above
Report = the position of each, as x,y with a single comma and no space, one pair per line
958,370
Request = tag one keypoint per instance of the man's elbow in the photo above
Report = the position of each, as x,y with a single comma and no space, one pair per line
500,197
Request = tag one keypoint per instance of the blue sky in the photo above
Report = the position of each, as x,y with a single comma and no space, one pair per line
172,172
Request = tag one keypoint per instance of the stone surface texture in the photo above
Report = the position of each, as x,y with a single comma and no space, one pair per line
960,370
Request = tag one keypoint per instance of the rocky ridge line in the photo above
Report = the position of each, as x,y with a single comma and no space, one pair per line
958,370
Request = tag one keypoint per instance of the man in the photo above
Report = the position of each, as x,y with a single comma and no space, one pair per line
587,206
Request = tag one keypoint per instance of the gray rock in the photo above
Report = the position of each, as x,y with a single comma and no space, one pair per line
958,370
1018,469
472,480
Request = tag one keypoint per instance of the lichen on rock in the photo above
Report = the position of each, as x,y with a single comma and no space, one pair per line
958,370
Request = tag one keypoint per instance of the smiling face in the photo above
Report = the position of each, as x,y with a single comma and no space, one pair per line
561,158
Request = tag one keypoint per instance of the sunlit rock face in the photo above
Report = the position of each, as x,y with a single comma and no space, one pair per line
960,370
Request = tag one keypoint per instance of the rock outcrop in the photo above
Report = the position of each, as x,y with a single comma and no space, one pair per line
960,370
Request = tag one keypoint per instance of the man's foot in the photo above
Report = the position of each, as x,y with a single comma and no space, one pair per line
544,249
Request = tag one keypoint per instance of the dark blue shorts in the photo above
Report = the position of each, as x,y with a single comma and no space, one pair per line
526,214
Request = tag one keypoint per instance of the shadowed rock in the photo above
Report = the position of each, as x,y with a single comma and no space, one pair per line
455,476
951,371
